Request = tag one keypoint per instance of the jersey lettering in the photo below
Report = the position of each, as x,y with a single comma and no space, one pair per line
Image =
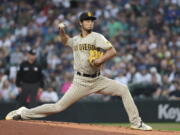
84,47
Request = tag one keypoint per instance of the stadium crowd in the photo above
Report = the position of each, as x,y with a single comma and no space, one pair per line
146,34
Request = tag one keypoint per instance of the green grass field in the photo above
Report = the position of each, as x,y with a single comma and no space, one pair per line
156,126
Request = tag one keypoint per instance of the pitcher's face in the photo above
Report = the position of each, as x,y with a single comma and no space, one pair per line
87,25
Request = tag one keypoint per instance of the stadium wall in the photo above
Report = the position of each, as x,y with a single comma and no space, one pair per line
94,112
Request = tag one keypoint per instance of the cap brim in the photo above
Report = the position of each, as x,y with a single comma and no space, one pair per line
92,18
89,18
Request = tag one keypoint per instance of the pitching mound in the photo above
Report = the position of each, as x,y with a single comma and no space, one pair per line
62,128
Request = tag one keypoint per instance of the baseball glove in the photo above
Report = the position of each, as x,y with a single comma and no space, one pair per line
94,54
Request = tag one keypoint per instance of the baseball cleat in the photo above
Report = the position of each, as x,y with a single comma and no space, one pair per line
142,126
16,114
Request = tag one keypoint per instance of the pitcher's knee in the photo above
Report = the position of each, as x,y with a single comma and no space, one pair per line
125,87
58,107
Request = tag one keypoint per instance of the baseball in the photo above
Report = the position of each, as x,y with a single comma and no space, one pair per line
61,25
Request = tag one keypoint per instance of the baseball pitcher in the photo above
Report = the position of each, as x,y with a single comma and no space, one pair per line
90,50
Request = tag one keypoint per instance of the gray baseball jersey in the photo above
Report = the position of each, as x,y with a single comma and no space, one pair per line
83,86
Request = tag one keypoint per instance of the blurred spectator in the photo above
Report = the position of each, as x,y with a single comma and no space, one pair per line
146,89
121,78
3,78
154,86
143,76
13,72
49,95
16,57
8,92
66,84
154,72
175,95
165,86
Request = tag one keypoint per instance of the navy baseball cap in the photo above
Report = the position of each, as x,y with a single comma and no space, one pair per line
32,51
86,16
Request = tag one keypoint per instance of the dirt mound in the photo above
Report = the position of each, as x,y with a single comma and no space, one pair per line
35,127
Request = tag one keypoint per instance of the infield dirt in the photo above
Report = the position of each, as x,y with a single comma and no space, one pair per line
36,127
